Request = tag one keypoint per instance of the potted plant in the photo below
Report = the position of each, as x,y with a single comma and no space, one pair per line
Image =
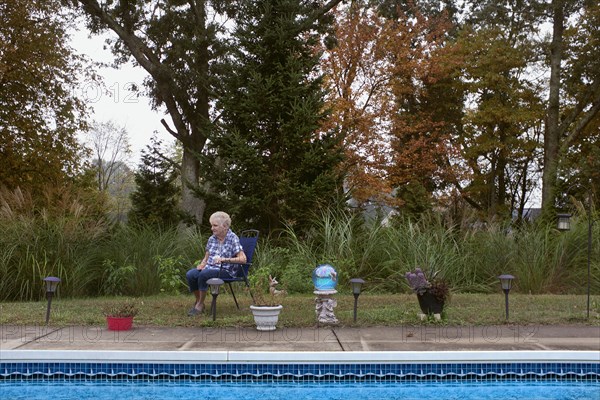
119,315
432,293
266,307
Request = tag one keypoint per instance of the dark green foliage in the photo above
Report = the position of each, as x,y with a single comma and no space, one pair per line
269,163
501,134
154,201
40,115
391,8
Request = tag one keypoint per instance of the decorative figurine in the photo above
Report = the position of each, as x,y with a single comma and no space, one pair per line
324,278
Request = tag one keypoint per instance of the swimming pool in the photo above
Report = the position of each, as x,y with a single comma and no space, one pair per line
72,390
326,375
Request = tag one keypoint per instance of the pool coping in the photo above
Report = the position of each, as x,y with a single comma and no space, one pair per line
184,357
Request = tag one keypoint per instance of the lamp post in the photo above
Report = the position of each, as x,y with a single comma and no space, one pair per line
356,286
506,282
564,224
51,285
215,285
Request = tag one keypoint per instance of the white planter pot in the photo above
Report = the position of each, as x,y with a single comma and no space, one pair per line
266,317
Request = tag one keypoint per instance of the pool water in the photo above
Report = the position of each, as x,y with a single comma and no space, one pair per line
299,390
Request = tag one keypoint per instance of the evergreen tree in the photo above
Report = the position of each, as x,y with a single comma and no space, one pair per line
154,201
274,165
177,43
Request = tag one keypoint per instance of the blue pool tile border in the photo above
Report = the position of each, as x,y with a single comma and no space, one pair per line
301,366
415,371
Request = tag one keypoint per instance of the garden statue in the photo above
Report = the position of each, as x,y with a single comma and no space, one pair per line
324,278
273,288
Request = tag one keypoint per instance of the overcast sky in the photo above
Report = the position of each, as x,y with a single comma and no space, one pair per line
114,101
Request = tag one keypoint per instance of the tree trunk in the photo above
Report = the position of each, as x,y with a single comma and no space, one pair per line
190,173
189,116
551,138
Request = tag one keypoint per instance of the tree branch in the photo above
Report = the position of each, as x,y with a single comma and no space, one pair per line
593,97
168,128
147,59
315,15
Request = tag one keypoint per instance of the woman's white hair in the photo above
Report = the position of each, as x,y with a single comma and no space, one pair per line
220,217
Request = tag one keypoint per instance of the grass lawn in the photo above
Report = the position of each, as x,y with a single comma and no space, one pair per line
373,310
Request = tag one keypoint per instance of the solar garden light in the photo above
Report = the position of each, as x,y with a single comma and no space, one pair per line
215,285
356,286
506,282
51,285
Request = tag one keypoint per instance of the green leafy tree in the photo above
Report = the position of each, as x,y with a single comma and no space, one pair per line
39,113
583,160
154,201
572,116
271,163
177,43
502,125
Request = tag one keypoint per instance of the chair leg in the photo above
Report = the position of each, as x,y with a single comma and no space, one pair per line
233,294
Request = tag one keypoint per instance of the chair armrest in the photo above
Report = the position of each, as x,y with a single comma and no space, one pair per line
241,272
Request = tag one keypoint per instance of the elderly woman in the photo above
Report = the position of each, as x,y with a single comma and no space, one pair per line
222,249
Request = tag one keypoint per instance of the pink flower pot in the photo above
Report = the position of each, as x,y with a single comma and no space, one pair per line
119,323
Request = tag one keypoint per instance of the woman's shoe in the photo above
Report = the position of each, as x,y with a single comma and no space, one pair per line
192,311
196,311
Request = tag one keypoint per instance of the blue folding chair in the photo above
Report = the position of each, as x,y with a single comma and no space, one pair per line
248,240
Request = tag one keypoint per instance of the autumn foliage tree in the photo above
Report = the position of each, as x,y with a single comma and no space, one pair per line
39,113
359,98
436,105
427,110
388,80
430,102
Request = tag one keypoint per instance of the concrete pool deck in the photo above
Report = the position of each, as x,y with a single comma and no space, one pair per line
430,338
